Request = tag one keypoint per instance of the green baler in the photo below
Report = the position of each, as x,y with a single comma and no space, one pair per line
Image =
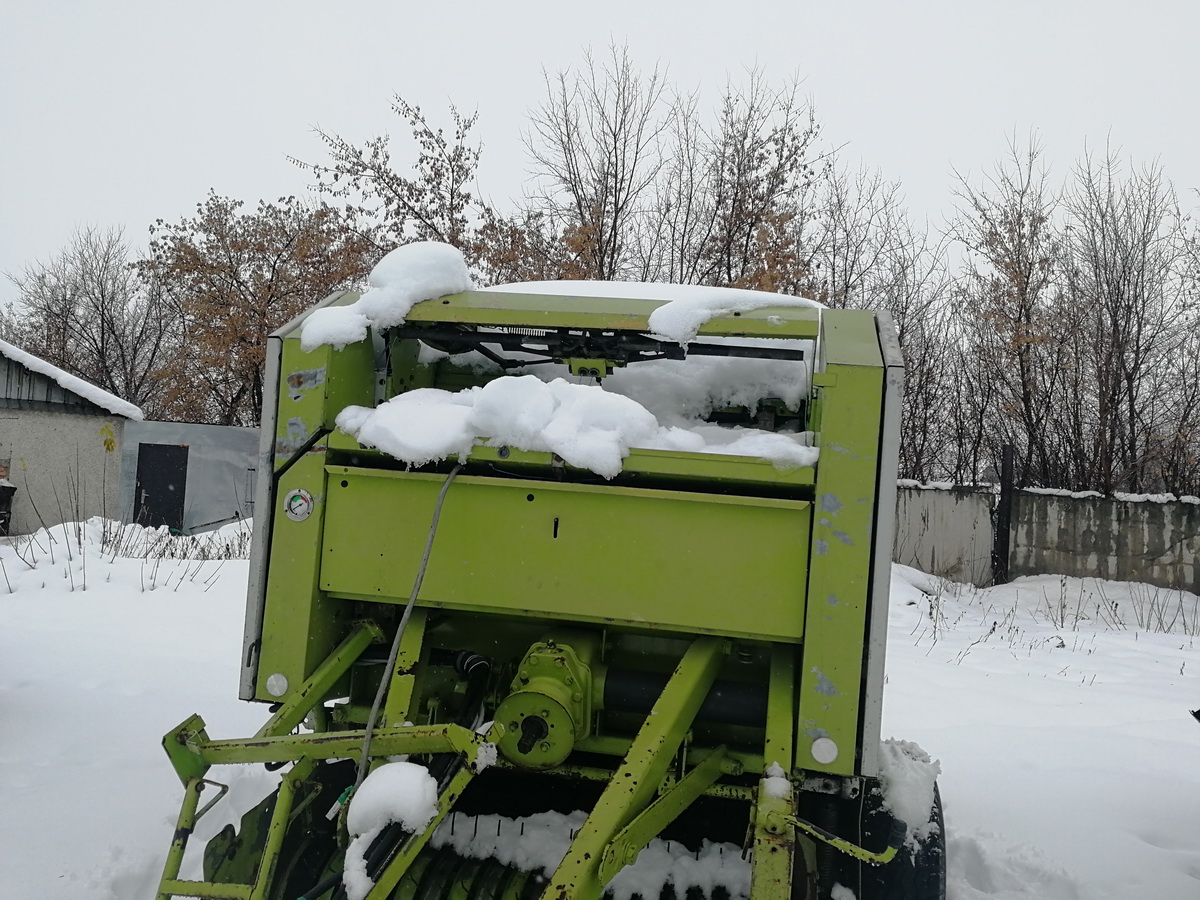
684,659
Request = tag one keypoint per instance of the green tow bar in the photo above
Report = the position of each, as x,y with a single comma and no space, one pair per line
581,876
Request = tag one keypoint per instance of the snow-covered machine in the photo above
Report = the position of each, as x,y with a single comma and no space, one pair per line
570,590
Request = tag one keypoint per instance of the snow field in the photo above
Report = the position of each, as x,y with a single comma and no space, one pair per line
1068,759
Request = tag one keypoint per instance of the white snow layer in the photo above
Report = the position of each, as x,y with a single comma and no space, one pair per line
68,382
776,782
1068,755
687,307
409,274
587,426
908,778
539,842
401,792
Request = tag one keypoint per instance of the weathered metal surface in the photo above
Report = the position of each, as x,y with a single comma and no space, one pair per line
221,469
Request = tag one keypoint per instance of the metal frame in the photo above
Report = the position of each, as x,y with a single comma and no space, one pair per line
302,613
885,527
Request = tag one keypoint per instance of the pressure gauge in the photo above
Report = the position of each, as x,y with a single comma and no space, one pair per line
298,504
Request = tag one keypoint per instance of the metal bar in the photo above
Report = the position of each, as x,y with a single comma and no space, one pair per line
321,681
205,889
598,773
773,869
624,848
635,782
597,345
885,856
183,830
278,827
400,692
338,745
1002,540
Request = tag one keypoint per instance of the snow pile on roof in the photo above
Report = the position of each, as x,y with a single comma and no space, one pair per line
588,427
68,382
409,274
539,842
687,309
908,777
401,792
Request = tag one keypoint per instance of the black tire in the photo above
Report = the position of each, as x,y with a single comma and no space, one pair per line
911,875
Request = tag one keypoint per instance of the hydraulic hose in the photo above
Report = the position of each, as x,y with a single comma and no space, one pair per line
385,678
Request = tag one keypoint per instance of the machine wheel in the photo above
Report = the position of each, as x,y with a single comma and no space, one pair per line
911,875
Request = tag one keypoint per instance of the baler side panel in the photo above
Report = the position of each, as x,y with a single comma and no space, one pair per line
301,625
839,577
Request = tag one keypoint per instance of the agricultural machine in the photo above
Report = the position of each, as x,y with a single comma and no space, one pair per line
658,682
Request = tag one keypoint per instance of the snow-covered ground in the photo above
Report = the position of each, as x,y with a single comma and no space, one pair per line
1071,768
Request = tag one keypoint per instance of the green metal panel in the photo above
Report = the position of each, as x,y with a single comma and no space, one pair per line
564,311
683,561
300,624
314,387
842,537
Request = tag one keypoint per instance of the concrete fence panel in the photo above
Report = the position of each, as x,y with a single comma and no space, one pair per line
1121,540
945,532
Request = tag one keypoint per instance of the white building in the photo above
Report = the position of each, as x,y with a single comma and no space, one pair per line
60,443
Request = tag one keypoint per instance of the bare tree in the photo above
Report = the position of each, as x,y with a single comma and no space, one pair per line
434,202
1126,255
595,142
87,312
1010,305
858,233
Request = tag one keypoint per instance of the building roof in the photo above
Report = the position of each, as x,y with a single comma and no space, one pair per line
84,390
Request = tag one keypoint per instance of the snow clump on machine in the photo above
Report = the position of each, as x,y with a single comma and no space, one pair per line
406,276
588,427
909,778
687,309
538,843
401,792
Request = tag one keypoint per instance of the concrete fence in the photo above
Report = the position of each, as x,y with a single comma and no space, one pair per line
945,532
950,532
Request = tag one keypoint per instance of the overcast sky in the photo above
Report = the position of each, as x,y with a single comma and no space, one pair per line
119,112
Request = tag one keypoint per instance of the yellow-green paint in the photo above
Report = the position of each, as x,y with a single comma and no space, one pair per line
680,550
578,552
839,576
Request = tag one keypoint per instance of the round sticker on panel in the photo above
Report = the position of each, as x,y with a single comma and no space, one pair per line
298,504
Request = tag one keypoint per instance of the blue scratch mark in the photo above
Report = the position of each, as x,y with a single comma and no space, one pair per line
844,538
820,548
829,503
824,685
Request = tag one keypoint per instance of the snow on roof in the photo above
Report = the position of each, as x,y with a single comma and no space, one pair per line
588,426
409,274
685,307
68,382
